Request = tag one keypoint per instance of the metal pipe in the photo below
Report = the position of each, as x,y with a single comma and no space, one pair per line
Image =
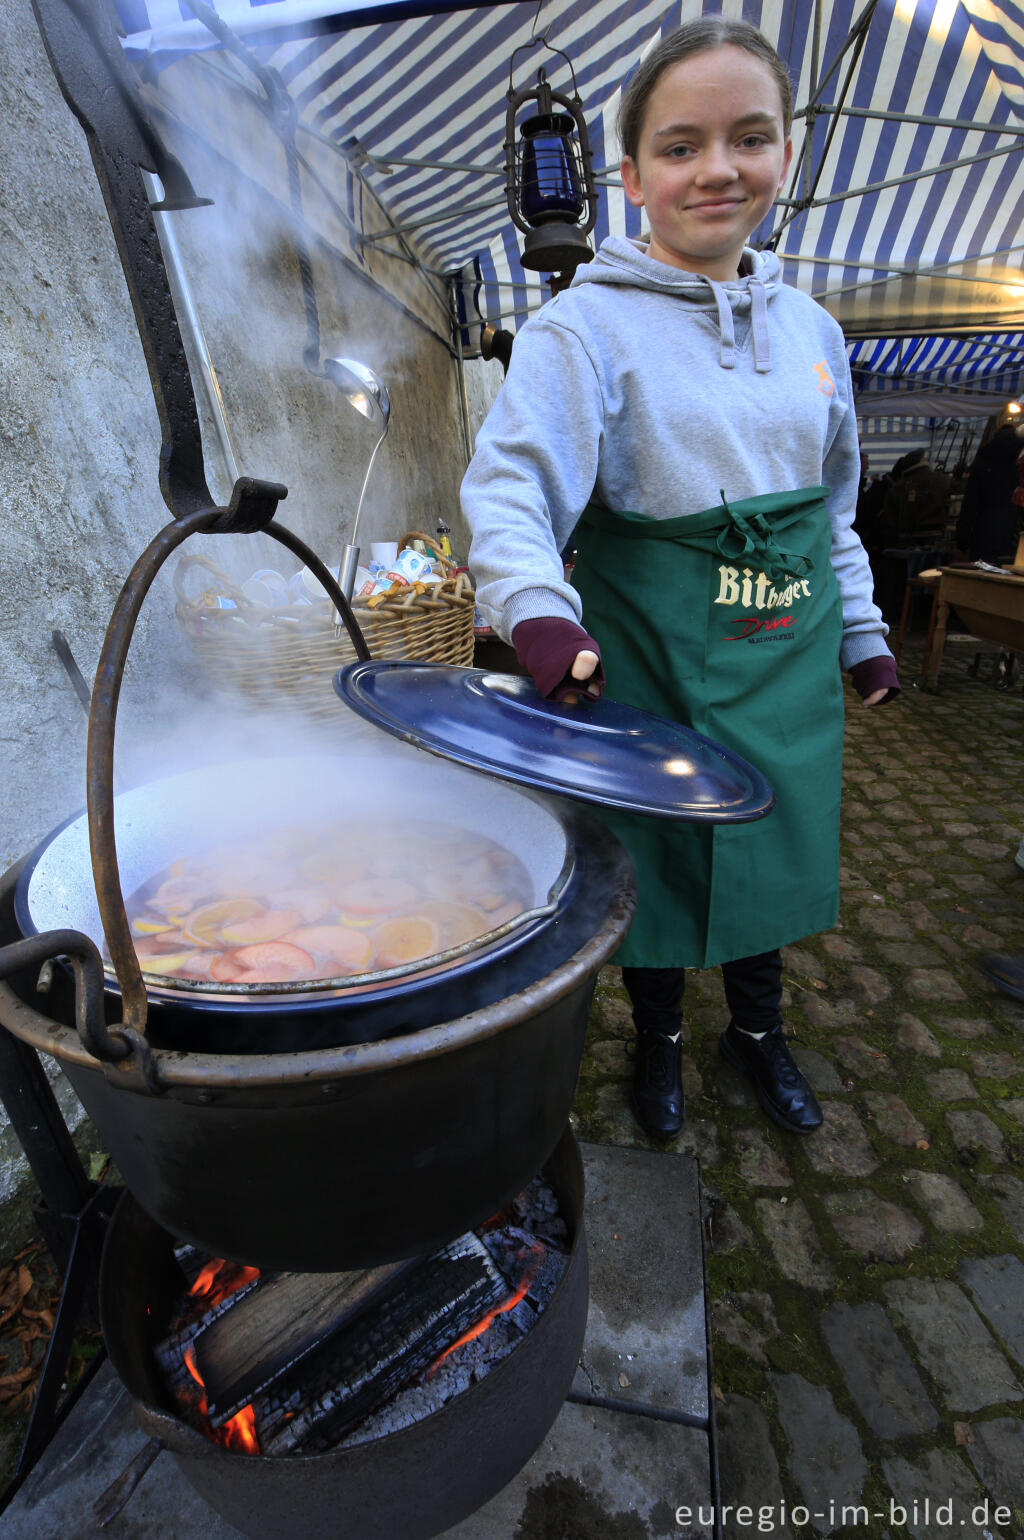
447,217
969,125
460,366
914,176
191,325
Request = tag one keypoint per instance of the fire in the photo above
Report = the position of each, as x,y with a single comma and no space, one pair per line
487,1320
239,1432
217,1281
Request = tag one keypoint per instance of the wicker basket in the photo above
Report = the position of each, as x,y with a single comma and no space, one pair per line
287,657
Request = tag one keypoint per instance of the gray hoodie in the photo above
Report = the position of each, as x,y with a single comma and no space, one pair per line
650,388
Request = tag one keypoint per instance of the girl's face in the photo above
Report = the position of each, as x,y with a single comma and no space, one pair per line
712,154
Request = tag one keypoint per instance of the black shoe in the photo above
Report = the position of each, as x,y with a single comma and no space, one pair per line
781,1089
657,1093
1007,972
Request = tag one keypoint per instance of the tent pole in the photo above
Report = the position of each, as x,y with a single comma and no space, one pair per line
460,366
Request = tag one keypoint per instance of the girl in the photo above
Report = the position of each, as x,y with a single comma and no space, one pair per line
696,416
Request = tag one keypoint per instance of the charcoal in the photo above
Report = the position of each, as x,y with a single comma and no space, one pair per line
430,1391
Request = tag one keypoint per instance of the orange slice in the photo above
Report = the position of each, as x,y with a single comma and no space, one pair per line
375,895
164,962
333,862
459,923
350,949
261,928
151,927
406,940
203,924
275,961
196,966
178,893
312,903
226,969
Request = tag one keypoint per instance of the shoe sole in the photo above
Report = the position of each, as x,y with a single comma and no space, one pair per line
1003,984
733,1059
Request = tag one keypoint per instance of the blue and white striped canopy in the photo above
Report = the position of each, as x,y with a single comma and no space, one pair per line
905,211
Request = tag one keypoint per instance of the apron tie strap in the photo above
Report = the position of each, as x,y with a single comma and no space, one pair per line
749,536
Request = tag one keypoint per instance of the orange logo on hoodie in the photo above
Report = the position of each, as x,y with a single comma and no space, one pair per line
825,384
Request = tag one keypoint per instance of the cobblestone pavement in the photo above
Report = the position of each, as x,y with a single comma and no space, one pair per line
867,1283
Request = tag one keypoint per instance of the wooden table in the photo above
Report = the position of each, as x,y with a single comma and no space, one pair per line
990,605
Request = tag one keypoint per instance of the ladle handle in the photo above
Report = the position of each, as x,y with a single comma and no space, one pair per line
252,506
362,493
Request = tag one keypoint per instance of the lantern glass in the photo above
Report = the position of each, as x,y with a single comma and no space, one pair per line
550,185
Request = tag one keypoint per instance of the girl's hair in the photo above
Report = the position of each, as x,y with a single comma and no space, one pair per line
695,37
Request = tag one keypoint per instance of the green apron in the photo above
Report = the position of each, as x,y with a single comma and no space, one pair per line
728,621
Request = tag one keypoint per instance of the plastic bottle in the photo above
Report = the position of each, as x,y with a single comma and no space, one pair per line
444,535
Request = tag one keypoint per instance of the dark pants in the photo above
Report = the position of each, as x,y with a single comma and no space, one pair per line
753,990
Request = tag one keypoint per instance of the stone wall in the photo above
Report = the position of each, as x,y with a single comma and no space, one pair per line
79,437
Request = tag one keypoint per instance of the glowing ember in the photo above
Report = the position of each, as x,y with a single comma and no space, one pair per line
484,1323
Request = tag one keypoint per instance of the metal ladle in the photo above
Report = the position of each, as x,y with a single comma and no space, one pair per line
368,394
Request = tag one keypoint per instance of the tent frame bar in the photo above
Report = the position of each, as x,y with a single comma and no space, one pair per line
798,205
429,219
935,270
967,125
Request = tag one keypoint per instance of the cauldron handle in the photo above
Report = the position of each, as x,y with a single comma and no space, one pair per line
87,967
252,507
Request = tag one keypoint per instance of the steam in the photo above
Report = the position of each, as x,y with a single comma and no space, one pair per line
286,424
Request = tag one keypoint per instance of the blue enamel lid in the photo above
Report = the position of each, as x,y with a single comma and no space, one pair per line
597,751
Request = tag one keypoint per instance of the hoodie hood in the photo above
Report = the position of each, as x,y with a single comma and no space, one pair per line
626,262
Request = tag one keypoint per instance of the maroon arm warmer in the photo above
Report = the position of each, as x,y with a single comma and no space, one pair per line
546,648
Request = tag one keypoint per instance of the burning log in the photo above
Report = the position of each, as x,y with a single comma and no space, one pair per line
275,1328
295,1363
215,1288
370,1362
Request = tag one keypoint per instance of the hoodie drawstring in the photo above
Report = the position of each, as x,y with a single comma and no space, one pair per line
726,330
759,326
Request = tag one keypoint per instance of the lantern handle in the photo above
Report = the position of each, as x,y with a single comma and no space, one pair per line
542,40
573,105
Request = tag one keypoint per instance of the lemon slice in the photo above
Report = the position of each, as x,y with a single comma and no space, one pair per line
151,927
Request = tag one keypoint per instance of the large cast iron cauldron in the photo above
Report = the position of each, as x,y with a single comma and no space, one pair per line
352,1153
387,793
414,1483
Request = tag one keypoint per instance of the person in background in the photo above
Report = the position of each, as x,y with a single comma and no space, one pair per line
916,506
987,527
870,501
696,416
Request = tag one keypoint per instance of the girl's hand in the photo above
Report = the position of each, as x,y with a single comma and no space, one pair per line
583,668
559,655
875,679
